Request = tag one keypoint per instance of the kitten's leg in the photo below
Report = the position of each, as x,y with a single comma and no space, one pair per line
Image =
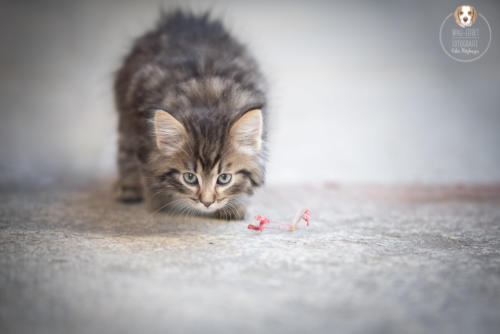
128,188
235,212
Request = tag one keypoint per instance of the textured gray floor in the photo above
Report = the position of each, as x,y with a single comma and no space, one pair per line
374,260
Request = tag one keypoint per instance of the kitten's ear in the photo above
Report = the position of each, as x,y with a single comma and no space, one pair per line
169,133
246,132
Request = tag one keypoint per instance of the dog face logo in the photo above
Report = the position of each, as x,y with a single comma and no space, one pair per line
465,16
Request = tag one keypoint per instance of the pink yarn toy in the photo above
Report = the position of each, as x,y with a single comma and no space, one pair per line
266,223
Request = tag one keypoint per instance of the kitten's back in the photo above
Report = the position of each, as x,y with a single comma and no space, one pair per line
183,46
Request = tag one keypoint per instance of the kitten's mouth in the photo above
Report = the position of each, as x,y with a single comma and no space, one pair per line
216,205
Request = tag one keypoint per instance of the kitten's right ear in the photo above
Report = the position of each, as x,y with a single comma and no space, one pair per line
169,133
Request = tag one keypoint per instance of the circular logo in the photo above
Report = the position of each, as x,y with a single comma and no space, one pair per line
465,34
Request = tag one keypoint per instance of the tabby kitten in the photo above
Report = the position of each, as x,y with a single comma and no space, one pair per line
192,116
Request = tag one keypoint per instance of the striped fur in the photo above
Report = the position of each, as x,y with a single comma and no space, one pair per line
190,75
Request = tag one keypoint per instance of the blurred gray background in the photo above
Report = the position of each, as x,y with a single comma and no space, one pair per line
361,92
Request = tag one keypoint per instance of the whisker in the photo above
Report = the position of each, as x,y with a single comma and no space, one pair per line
228,210
154,213
233,208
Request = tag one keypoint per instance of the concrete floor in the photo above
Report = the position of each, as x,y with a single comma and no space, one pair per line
374,260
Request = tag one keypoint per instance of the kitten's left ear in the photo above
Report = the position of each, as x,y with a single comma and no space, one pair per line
246,132
169,133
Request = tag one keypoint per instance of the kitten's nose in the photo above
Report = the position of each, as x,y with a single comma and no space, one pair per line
207,204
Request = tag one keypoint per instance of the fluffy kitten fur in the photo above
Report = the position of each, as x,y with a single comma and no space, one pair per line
191,101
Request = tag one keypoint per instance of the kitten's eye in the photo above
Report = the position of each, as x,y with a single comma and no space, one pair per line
190,178
224,179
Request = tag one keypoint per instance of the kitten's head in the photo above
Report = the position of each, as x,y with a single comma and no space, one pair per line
205,165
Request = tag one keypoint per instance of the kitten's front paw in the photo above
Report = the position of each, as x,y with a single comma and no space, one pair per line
233,213
128,193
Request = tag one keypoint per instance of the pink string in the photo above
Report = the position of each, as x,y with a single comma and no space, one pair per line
303,214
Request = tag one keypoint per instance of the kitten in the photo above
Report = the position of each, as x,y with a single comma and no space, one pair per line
192,119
